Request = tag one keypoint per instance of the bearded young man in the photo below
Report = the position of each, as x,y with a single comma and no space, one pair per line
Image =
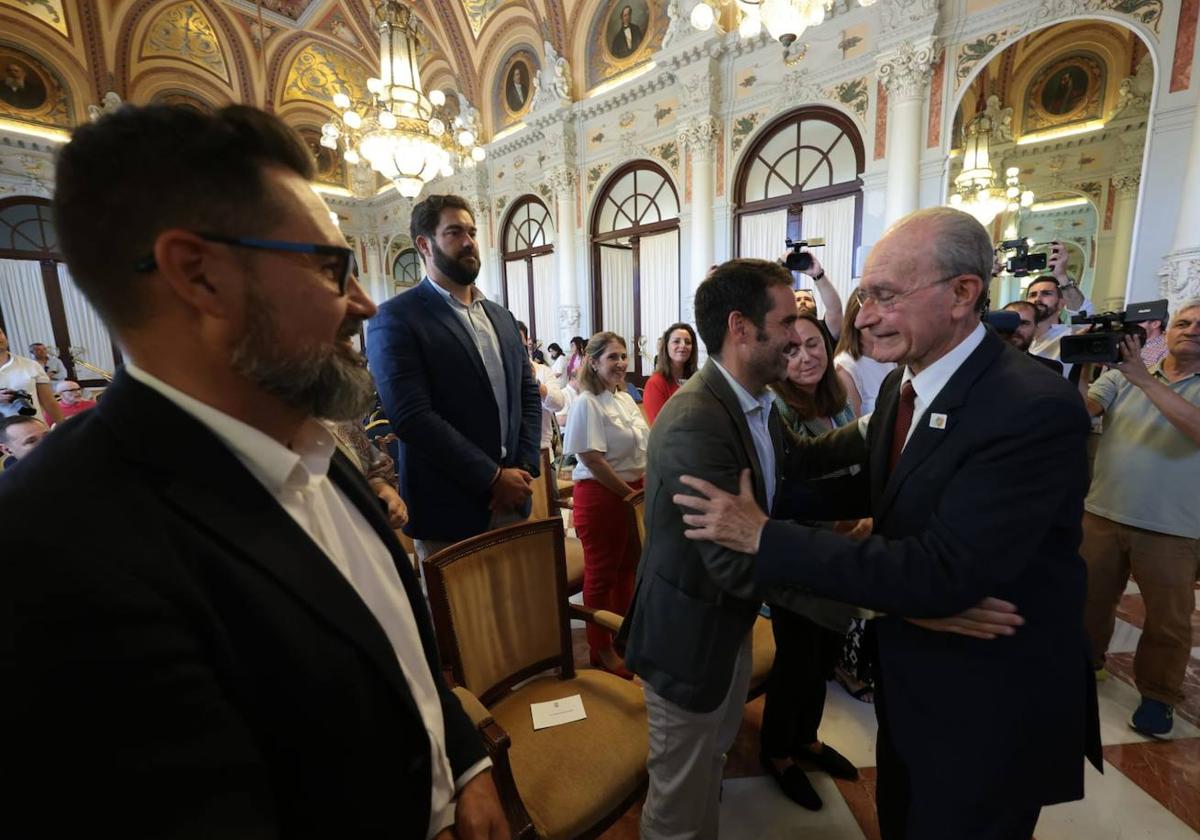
456,384
245,650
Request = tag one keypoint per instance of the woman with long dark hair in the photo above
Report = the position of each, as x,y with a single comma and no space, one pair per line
606,432
810,401
578,346
675,364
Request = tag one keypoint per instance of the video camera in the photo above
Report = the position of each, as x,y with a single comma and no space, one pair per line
1103,343
21,403
798,260
1024,263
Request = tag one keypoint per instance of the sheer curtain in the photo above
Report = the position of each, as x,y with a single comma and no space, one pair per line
616,291
834,222
545,298
85,326
763,235
658,261
23,302
516,275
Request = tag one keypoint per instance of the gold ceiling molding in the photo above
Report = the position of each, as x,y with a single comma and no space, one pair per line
183,32
319,71
49,12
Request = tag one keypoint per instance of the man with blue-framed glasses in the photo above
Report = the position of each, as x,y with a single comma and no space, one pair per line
244,650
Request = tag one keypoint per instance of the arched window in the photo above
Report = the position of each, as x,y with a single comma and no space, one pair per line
527,252
407,270
39,301
801,179
635,259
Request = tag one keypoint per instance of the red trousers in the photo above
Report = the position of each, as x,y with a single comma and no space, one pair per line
609,562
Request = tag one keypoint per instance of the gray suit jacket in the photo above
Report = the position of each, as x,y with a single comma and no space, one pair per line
695,601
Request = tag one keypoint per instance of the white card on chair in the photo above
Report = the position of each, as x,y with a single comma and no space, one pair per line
556,712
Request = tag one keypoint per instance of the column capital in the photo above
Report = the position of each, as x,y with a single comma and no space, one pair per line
1126,184
561,180
699,136
568,319
905,71
1179,278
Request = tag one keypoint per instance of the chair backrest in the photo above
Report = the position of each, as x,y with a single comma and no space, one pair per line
635,502
544,491
500,607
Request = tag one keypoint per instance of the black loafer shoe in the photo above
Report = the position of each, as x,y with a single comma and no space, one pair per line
831,761
794,784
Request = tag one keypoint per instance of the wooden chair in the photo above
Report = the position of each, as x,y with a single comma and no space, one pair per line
547,488
502,617
763,640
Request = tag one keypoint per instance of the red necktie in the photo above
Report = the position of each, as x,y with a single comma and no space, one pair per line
904,417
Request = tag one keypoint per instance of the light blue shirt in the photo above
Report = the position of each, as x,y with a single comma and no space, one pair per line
758,413
479,327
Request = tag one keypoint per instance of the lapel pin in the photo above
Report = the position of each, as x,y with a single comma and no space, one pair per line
937,421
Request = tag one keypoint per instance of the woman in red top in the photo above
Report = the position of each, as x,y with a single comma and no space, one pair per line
676,362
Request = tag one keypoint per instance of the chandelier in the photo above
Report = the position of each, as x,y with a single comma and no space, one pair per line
978,189
403,134
785,20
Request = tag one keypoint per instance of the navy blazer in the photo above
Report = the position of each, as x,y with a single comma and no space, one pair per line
991,504
199,667
436,393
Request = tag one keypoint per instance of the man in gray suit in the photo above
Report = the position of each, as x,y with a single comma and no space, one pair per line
688,632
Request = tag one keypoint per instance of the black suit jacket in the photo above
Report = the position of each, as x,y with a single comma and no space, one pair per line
619,47
436,393
695,602
196,666
992,504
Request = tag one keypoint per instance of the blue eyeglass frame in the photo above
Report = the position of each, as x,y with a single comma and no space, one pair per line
347,269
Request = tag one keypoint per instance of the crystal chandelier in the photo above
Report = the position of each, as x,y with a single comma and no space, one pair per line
403,134
977,188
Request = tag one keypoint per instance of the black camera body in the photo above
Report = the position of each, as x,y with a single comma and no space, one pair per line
798,260
23,403
1103,342
1024,263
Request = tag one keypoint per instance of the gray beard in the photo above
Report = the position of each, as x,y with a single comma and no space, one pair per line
325,382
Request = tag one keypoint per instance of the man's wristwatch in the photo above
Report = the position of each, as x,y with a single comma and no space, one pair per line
820,276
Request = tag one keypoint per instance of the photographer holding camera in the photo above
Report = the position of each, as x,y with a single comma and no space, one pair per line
799,261
24,386
1140,515
1050,294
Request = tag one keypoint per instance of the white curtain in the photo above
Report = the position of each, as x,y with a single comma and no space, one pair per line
658,261
86,328
516,275
616,291
763,235
832,221
545,298
23,302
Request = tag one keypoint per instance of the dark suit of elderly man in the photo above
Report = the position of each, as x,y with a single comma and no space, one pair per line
976,479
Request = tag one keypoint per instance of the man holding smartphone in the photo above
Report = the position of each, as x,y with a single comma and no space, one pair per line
1050,294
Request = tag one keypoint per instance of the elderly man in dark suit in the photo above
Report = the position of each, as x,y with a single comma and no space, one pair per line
244,651
456,383
976,481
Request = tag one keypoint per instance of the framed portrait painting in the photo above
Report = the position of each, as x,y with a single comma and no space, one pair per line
29,91
1069,90
514,86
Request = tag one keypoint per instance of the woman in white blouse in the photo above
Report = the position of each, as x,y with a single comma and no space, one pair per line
606,431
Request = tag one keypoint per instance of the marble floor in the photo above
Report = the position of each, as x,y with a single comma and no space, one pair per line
1149,789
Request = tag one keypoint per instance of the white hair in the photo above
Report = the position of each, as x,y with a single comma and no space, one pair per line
960,244
1192,303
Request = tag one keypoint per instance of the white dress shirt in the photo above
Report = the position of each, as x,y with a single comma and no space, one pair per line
298,479
552,403
612,425
758,413
929,382
1049,346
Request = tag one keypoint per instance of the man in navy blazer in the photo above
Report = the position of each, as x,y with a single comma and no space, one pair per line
242,649
976,479
457,385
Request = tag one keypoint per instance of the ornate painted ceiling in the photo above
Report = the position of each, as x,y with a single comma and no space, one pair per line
60,57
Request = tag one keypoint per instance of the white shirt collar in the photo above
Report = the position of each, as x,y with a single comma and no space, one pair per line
930,381
275,466
745,399
476,293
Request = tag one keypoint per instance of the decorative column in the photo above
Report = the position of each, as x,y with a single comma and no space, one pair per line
905,73
561,180
1112,294
378,285
1181,271
487,281
699,138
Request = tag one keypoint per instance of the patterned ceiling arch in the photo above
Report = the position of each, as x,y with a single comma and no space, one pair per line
136,20
316,70
52,15
181,31
152,83
503,18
